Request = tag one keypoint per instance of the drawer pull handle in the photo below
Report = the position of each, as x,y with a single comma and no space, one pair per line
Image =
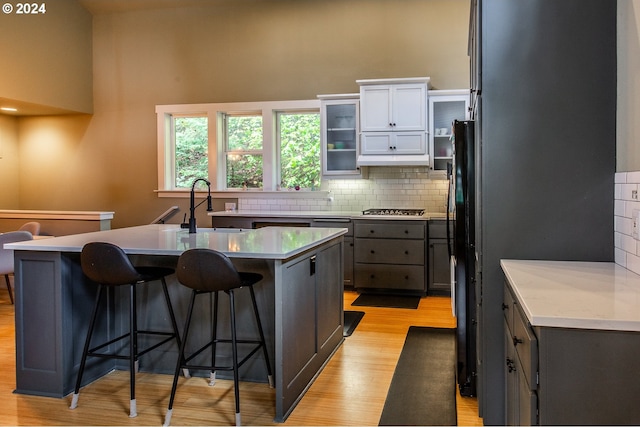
406,252
406,231
371,231
373,276
516,341
373,252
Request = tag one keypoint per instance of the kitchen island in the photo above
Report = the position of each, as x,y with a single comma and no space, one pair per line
572,340
300,301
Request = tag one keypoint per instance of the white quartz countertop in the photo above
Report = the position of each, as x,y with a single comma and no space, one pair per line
170,239
571,294
323,215
39,214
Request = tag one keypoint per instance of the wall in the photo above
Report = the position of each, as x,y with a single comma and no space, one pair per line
241,50
47,57
628,127
9,163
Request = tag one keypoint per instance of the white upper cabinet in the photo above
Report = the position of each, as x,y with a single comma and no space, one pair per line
339,123
393,122
445,106
393,107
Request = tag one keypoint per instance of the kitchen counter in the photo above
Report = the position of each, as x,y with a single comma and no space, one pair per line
571,343
322,215
169,239
590,295
302,271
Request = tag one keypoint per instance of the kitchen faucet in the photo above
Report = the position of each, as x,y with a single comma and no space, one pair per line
193,206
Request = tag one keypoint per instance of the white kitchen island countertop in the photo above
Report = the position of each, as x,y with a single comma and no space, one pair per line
572,294
322,215
170,239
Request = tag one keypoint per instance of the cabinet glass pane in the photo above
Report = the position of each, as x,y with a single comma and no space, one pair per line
444,113
341,137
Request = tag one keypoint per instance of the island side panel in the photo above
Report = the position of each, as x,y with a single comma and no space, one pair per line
308,320
53,307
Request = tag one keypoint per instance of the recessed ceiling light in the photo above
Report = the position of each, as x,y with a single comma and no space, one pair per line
13,110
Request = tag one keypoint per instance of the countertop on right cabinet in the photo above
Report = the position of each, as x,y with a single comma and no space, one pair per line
570,294
572,343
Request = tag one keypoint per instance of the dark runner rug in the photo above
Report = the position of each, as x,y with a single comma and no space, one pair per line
391,301
351,320
423,387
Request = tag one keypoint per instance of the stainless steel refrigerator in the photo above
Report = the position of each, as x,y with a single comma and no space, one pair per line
462,199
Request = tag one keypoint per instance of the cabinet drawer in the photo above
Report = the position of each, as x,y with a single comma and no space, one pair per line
526,345
391,230
438,229
390,251
408,277
334,223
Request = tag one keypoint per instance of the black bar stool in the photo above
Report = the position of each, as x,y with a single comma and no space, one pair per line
206,271
108,265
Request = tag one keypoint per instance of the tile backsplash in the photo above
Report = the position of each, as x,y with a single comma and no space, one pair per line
386,187
626,201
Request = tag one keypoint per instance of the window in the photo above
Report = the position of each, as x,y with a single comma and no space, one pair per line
299,148
243,151
191,143
254,146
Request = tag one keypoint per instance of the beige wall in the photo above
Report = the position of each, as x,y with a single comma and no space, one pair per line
240,50
9,163
46,58
628,125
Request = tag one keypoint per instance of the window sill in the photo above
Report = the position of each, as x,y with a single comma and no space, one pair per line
248,194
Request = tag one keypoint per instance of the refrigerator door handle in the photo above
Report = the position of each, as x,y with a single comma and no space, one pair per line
452,266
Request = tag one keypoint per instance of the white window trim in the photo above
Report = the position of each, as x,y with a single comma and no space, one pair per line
269,111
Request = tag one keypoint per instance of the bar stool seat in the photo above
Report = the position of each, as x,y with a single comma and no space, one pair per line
107,265
207,271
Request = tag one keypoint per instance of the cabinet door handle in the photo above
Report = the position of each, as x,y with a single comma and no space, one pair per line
517,341
373,252
406,252
312,265
406,231
510,365
504,307
371,231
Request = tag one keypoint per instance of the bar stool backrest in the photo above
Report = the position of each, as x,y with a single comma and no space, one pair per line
107,264
207,270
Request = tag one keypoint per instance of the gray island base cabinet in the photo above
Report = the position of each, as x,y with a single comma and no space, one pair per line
572,343
300,302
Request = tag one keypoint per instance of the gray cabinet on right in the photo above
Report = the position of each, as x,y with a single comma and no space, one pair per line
568,376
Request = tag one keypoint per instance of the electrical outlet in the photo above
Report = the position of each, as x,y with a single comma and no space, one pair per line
634,194
635,219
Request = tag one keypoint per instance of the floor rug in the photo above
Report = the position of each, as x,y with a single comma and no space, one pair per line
391,301
423,387
351,320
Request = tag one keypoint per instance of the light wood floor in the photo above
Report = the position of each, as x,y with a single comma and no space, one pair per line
351,390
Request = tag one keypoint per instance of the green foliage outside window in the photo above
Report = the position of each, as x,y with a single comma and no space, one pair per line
191,150
244,151
299,137
300,150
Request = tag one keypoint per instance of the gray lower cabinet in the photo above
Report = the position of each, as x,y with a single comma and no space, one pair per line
439,282
390,255
568,376
313,329
235,221
348,244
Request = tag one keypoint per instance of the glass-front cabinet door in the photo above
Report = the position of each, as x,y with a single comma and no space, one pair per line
445,106
339,126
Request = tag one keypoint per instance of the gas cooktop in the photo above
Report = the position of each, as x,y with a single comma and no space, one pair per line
403,212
